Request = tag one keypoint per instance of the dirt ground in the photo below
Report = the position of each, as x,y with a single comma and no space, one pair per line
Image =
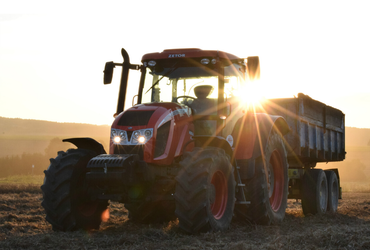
22,226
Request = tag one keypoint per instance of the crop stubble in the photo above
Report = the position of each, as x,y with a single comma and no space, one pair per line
22,226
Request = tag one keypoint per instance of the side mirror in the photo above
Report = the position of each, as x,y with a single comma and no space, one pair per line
108,72
253,64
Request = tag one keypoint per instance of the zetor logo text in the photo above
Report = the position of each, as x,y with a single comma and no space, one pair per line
176,55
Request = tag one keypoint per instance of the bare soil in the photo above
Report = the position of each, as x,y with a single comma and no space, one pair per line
23,226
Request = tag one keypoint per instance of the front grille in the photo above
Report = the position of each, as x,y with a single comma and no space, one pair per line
129,133
135,118
130,149
161,139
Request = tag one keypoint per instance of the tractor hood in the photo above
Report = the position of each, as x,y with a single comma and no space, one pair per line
155,131
151,115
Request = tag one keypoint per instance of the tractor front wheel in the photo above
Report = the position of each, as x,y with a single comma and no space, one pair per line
65,198
205,191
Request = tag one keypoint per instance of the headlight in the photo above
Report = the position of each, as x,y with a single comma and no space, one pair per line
136,134
148,133
141,139
119,137
141,136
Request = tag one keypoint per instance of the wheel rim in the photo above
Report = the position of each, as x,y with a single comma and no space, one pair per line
275,181
219,182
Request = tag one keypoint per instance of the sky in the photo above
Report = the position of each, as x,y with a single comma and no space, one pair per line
52,53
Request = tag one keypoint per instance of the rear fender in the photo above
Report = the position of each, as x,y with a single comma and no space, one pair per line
251,134
87,143
213,141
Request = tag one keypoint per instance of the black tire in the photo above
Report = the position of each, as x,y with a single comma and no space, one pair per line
314,192
268,193
65,197
333,191
205,191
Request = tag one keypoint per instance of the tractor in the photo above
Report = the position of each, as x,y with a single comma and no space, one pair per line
192,148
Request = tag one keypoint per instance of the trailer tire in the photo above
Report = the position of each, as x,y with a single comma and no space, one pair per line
205,191
333,191
314,192
65,198
267,205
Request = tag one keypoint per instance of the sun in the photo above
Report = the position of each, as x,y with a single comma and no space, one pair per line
251,95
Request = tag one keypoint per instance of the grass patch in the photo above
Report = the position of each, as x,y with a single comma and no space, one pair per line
21,184
22,180
355,187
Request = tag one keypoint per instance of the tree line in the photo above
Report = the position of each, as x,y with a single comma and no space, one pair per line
36,163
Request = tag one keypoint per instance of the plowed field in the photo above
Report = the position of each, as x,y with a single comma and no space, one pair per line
22,226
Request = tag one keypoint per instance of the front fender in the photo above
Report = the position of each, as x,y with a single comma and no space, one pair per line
251,133
87,143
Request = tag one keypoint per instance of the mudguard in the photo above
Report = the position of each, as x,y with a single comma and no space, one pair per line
213,141
87,143
251,133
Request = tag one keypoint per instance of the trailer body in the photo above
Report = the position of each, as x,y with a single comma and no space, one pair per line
317,130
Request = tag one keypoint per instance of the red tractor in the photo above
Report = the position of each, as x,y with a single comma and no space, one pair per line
191,149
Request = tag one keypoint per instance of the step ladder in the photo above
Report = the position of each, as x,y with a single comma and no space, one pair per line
240,187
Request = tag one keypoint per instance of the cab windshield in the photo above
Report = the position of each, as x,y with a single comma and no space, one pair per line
179,84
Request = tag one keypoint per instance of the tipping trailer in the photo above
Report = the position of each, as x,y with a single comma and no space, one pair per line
192,149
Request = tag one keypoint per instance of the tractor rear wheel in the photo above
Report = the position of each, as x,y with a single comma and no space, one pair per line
333,191
205,191
314,192
268,189
65,198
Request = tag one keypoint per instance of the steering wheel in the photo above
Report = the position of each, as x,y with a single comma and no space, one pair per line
186,99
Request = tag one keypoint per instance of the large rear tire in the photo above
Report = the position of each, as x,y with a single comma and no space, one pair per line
205,191
268,189
65,198
314,192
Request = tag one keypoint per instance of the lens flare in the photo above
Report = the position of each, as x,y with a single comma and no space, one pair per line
105,215
250,96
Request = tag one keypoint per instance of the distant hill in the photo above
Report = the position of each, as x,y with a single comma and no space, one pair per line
19,136
18,127
357,136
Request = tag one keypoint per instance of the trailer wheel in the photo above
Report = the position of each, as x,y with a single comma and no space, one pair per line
268,189
314,192
333,191
205,191
65,197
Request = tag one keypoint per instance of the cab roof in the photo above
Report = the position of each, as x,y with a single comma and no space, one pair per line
188,53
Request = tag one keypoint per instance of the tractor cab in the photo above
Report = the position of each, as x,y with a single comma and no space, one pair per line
182,93
206,81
